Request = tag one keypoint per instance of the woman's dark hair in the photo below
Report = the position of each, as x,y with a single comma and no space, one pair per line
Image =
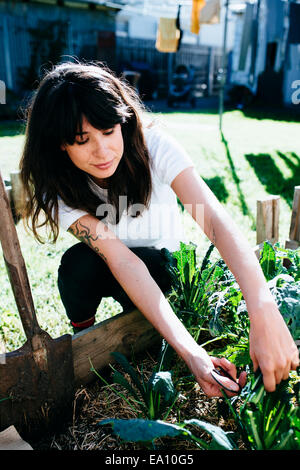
65,94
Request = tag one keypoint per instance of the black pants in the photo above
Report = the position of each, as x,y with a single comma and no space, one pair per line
84,278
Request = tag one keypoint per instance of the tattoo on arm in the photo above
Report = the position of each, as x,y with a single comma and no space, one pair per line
211,233
83,234
214,238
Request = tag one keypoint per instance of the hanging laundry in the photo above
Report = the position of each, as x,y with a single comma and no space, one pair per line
211,12
195,18
167,35
178,27
247,35
294,31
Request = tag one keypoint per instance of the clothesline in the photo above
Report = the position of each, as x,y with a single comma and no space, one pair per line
166,10
170,30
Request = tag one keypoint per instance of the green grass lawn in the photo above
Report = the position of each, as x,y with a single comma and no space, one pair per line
260,157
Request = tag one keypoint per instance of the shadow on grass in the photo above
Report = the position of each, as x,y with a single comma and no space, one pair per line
11,128
271,177
245,209
279,114
216,184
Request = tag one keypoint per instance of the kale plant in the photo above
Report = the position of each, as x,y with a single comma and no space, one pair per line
196,290
268,420
147,431
153,398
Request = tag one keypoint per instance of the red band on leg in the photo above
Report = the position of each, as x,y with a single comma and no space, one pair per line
84,324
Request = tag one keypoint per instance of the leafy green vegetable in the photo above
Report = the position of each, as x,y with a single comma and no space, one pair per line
153,398
208,299
139,430
165,357
267,421
287,296
195,289
238,354
221,439
268,261
275,260
224,309
162,382
121,359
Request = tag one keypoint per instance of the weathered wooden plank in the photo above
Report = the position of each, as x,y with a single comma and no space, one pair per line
17,191
292,244
295,219
257,249
9,194
276,213
125,333
267,219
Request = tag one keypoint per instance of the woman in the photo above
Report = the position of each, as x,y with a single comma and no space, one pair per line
91,166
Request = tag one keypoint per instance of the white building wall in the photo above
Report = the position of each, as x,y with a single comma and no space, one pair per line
292,75
242,77
145,27
142,27
291,67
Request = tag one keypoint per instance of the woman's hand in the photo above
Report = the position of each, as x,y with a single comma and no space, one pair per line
272,347
202,364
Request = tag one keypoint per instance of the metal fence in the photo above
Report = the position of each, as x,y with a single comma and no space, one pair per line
205,60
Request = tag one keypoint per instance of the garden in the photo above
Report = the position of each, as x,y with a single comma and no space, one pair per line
150,400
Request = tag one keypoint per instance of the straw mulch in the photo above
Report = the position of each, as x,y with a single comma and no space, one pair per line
98,401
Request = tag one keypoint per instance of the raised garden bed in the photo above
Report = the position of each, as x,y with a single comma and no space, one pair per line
217,318
257,420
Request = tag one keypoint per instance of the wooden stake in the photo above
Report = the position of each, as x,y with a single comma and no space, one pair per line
267,219
294,240
9,194
17,191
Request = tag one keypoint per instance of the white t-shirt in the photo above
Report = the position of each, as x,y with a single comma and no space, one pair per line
160,225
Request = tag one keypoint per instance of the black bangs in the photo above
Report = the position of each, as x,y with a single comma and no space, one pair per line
69,101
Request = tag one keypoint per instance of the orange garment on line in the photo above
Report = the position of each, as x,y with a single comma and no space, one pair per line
167,35
195,19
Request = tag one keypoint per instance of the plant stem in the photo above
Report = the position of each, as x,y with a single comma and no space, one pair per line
211,341
200,441
170,407
270,437
112,388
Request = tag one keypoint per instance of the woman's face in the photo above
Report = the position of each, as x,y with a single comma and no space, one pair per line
94,149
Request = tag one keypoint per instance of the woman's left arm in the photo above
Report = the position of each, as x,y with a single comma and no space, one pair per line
271,345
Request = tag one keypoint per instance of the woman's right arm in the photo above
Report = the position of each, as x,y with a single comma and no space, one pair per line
133,275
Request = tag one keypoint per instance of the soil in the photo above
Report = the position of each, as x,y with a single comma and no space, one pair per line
98,401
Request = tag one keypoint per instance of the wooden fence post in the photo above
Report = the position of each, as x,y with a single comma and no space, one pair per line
267,221
294,237
9,194
16,191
